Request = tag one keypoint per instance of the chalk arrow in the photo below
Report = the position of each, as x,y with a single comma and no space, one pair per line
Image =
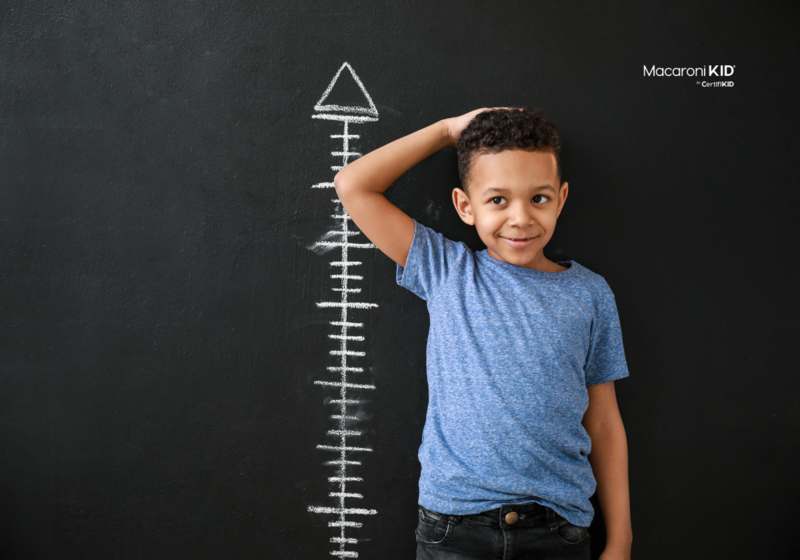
366,109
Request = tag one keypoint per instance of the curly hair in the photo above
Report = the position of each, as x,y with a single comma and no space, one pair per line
498,130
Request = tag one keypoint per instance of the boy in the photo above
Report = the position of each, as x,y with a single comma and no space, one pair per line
522,351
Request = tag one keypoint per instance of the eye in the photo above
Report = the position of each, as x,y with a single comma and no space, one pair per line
497,198
540,196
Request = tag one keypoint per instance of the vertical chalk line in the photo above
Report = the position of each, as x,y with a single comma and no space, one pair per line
343,336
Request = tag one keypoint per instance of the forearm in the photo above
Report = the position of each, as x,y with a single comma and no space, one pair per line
609,460
376,171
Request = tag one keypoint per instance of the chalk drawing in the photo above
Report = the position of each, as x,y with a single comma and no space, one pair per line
341,239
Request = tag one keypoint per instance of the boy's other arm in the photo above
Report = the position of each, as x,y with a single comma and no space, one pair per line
609,460
361,184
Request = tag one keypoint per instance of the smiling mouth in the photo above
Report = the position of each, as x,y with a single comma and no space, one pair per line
519,242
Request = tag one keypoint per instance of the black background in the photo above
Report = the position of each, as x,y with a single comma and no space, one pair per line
159,337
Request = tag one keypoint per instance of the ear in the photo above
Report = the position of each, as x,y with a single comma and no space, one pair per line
562,196
463,207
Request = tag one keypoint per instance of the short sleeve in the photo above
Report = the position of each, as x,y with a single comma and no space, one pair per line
606,358
430,258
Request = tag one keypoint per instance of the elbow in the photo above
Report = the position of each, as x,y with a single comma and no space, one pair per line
340,181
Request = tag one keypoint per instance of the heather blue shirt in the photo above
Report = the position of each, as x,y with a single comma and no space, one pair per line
510,353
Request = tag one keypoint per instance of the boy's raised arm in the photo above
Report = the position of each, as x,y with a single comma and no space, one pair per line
361,184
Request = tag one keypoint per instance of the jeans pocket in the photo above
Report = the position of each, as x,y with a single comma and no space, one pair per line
432,530
569,534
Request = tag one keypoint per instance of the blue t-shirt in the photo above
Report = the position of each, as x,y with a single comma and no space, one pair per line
510,353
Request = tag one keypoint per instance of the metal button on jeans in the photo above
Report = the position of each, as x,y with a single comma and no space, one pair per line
512,517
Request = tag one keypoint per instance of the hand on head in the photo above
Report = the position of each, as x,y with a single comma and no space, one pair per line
456,125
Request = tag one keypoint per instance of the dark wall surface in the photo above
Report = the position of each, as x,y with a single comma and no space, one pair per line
160,334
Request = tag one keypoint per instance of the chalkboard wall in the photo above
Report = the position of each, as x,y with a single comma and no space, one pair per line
168,376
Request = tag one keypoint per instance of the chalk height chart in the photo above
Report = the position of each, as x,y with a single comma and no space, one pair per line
346,331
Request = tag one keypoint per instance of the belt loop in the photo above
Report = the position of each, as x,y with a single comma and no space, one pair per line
552,522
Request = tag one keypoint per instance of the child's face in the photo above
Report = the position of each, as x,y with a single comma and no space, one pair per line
514,195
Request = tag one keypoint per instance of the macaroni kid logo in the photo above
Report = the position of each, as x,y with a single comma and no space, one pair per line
716,70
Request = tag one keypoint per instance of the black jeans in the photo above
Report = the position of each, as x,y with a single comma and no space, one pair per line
539,532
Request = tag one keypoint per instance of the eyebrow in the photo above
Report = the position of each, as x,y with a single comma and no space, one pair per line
503,191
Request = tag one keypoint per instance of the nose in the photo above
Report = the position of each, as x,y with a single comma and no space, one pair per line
520,215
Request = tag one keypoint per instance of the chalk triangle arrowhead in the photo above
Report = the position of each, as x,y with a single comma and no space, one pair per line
367,108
